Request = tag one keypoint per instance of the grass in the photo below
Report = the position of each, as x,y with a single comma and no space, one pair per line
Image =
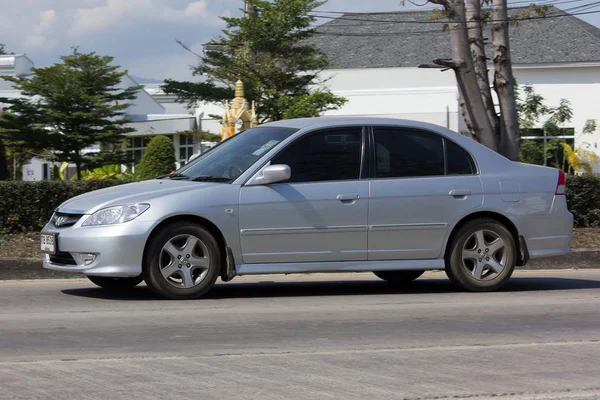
28,244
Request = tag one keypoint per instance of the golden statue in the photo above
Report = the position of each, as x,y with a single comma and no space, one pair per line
238,111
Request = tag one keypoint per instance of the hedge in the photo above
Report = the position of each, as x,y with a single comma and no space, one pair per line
27,206
583,199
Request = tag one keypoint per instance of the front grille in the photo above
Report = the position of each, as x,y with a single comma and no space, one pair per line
62,258
63,220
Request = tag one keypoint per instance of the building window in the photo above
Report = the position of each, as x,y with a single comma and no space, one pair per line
186,148
136,145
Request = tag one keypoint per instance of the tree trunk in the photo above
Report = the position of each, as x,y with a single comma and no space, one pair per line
464,112
503,82
465,74
477,46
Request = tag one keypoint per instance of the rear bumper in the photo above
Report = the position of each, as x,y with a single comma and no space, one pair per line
548,235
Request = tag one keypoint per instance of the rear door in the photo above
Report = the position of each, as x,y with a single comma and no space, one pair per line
421,183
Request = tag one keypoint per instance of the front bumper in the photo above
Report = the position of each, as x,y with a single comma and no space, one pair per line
118,249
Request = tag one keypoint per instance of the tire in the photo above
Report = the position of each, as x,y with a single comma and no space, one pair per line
116,284
182,262
398,277
482,256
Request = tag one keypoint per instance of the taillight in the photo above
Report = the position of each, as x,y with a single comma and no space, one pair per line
562,182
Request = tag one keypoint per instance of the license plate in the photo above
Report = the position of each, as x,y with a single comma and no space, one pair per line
48,243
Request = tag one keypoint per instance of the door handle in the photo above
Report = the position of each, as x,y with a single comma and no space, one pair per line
460,192
348,197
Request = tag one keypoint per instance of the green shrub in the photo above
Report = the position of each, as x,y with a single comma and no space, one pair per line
583,199
158,158
27,206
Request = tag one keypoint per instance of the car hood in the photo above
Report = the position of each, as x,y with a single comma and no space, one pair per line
131,193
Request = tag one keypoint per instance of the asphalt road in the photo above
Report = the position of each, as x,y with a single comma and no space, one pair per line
318,337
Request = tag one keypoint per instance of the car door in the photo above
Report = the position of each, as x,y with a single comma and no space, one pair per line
421,184
320,213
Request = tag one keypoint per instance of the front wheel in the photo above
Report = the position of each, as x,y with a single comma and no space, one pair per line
398,277
482,256
182,262
116,284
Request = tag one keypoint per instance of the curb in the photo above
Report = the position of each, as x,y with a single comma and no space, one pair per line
31,268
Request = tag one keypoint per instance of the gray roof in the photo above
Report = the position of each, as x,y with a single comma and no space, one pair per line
378,40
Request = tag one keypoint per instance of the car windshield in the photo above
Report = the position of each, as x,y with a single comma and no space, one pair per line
231,158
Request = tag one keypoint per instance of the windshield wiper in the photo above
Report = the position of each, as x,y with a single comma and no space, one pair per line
211,179
174,175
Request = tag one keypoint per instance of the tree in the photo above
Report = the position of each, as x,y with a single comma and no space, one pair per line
158,158
267,50
2,51
76,104
500,132
22,140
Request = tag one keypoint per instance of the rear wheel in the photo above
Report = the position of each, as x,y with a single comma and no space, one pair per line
116,284
183,262
482,257
398,277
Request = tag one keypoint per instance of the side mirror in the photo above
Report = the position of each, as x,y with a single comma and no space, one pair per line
272,174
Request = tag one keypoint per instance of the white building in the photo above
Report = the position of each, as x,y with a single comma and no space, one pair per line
148,116
375,60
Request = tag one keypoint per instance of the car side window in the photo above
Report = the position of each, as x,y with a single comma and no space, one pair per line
458,161
403,153
332,155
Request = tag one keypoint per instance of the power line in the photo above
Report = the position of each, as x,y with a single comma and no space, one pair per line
552,16
554,2
397,33
540,3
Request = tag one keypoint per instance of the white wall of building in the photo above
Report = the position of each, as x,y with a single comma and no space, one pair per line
430,95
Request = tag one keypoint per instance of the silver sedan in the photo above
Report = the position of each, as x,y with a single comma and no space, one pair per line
326,194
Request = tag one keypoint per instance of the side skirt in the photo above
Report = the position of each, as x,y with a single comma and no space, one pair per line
343,266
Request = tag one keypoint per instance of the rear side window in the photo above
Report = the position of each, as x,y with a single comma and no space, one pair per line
459,162
332,155
407,153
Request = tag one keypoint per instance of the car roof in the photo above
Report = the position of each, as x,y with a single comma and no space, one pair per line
333,121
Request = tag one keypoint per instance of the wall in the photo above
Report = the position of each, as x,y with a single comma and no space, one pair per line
408,93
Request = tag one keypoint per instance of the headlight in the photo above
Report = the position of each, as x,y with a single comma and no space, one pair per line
116,214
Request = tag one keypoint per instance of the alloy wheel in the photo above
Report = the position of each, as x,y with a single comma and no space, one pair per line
184,261
484,255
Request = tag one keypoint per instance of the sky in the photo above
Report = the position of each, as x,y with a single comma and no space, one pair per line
142,34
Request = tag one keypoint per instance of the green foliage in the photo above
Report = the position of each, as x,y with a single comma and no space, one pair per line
22,139
2,51
531,152
559,154
269,52
112,171
158,158
68,107
27,206
583,199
